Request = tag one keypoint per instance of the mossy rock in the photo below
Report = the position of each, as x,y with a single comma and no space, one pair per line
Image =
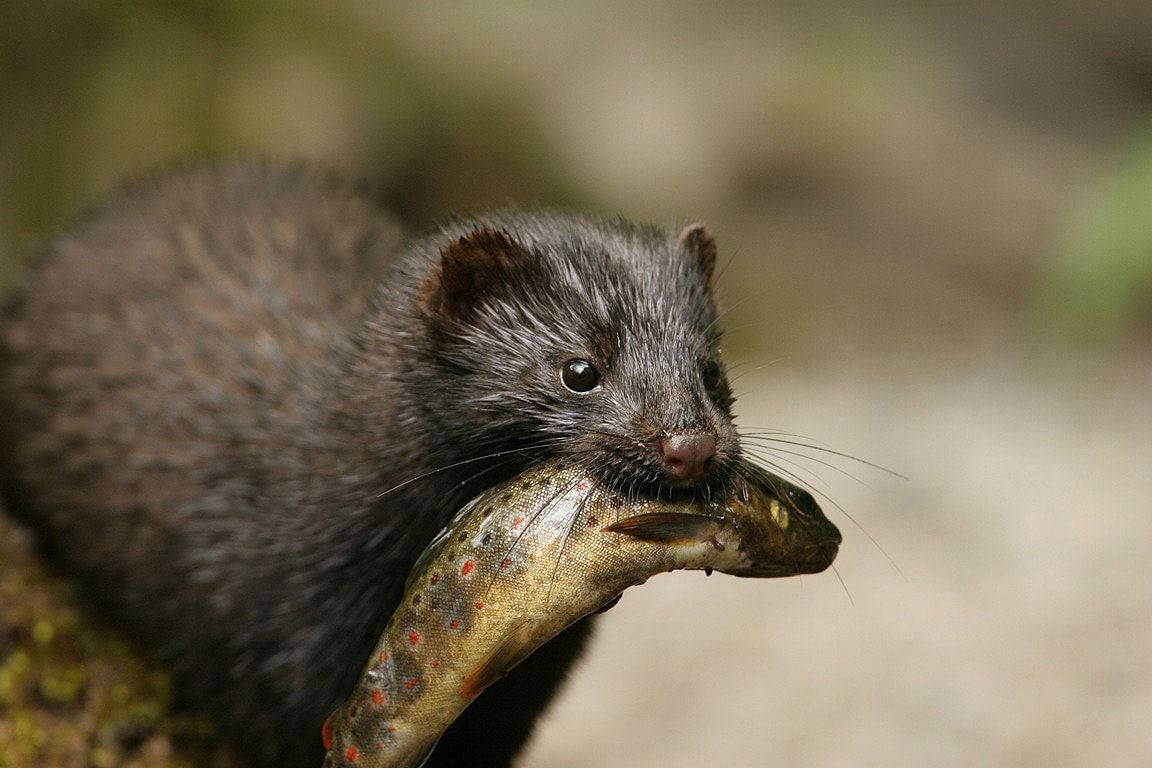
74,694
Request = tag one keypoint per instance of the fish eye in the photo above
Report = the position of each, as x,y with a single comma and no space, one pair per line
580,375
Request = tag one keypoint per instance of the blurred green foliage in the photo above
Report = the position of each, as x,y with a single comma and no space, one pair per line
94,92
1101,278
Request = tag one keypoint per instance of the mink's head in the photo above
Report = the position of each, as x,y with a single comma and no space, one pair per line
558,335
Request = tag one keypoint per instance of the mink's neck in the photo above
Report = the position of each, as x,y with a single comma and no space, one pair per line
382,479
373,478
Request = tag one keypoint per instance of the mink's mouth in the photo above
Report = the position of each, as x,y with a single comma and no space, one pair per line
645,482
632,466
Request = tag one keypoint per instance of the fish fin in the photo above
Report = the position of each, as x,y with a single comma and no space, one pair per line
326,730
511,651
609,605
428,755
666,527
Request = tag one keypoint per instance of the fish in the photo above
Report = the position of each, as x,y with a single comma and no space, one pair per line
527,558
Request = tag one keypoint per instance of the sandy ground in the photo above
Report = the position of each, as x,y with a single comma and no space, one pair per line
1017,631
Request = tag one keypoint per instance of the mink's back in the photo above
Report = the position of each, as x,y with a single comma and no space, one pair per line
172,334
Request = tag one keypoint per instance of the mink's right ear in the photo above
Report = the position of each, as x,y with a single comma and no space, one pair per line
471,268
701,248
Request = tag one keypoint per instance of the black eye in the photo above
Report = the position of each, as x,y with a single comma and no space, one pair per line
580,375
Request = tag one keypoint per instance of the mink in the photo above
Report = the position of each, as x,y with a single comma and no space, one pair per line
237,401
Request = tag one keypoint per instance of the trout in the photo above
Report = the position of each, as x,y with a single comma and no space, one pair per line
524,560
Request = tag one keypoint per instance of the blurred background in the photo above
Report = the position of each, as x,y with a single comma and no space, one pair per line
936,221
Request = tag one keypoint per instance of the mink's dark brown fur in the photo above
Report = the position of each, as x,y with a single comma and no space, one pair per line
235,405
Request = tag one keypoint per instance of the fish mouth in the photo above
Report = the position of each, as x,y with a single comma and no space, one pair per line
803,539
800,560
818,558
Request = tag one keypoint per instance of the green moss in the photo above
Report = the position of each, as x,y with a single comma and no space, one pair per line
73,693
63,686
43,632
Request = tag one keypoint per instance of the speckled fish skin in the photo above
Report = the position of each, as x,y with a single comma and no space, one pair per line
524,560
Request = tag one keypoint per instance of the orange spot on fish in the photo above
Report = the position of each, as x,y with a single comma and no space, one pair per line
435,578
455,623
516,523
384,657
435,663
467,567
413,637
391,729
410,683
378,697
352,754
326,732
479,605
581,486
506,562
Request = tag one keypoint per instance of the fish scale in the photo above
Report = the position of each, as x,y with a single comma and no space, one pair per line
526,559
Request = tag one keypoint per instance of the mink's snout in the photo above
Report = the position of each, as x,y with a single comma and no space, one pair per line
686,456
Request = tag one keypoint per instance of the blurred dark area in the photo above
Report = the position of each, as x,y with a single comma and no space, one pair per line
974,166
935,221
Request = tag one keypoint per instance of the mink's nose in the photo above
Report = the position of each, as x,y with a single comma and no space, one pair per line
686,456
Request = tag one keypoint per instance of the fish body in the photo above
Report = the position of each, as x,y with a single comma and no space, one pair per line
526,559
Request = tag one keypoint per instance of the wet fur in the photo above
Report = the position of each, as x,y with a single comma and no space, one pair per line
215,393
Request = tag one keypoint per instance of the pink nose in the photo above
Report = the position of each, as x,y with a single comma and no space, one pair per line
686,456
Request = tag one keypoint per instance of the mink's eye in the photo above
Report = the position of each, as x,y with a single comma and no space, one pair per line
580,375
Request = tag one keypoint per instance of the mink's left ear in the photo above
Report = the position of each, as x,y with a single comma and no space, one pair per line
698,242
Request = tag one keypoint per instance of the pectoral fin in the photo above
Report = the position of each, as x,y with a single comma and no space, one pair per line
427,755
326,730
666,527
515,646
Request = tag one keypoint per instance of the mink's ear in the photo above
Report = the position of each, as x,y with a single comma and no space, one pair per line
698,242
471,267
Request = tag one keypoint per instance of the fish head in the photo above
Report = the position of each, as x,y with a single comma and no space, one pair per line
762,527
780,529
